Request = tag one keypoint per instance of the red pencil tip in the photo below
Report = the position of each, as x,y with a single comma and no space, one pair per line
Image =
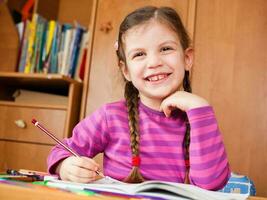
34,121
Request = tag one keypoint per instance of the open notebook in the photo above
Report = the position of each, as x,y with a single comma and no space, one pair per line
160,189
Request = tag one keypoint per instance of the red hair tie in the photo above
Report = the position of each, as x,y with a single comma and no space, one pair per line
187,163
136,161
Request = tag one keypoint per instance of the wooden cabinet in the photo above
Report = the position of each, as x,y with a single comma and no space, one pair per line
23,145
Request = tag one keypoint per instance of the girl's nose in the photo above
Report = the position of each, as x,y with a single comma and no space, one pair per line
154,61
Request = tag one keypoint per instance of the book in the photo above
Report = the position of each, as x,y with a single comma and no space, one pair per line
40,29
50,36
24,47
53,68
31,39
64,28
153,189
75,50
66,51
82,57
40,51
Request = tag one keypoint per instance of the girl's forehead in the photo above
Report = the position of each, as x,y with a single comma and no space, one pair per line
152,28
145,27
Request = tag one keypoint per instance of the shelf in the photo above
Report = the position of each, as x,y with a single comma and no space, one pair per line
49,83
32,105
45,78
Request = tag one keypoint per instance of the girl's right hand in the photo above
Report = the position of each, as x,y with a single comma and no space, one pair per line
78,169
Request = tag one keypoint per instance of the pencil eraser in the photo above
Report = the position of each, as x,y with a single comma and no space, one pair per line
34,121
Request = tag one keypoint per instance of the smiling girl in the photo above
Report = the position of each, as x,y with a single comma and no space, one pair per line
146,135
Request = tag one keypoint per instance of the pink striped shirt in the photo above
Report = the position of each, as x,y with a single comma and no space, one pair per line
161,145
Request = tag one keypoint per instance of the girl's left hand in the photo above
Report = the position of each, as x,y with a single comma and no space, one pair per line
183,101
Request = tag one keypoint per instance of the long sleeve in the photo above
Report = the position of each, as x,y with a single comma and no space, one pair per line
209,166
88,139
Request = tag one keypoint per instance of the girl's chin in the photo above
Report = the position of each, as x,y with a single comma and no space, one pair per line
154,97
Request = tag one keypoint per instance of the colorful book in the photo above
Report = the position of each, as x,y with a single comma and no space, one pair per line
31,39
48,45
75,50
23,47
156,189
82,56
53,68
39,60
66,51
64,28
40,29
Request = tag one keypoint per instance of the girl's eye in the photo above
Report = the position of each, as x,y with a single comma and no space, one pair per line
138,54
166,48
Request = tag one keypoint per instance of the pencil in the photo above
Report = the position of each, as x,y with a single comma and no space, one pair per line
37,124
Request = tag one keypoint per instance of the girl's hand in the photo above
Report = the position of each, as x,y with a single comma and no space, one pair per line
78,169
183,101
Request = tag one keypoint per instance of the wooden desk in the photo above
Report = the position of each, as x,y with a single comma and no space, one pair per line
24,193
14,192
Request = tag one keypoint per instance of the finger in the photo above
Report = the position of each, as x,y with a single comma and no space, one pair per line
167,111
87,163
73,178
166,108
81,172
92,161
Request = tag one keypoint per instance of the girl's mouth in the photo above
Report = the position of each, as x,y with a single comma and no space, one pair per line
157,77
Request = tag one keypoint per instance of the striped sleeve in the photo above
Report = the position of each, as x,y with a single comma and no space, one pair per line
209,168
89,137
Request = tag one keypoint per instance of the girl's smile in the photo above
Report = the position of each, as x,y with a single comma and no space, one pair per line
157,78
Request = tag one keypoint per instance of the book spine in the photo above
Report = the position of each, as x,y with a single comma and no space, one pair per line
30,43
75,51
48,46
24,47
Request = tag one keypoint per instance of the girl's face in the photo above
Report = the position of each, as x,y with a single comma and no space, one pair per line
155,61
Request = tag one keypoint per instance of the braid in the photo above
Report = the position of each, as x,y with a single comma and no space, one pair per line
186,82
187,88
131,96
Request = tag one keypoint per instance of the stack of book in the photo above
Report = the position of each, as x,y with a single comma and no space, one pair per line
51,47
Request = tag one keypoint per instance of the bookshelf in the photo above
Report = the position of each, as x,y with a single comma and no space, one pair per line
53,99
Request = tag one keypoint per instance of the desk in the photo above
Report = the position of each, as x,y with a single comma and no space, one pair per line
24,193
13,192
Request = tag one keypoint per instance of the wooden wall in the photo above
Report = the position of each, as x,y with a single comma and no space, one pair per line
231,72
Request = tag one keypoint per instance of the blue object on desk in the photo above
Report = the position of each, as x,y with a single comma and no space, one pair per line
239,184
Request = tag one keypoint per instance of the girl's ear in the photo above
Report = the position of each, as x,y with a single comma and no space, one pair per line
189,58
124,70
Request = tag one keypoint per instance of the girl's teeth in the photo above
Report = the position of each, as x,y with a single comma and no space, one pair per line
156,78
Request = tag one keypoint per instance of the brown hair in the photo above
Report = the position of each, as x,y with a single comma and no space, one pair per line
140,16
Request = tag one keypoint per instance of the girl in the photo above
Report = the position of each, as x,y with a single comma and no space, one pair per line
146,136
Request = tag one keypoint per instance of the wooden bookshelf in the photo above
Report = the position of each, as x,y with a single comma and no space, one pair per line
20,142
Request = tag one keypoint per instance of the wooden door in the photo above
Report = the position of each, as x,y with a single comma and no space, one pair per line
230,71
